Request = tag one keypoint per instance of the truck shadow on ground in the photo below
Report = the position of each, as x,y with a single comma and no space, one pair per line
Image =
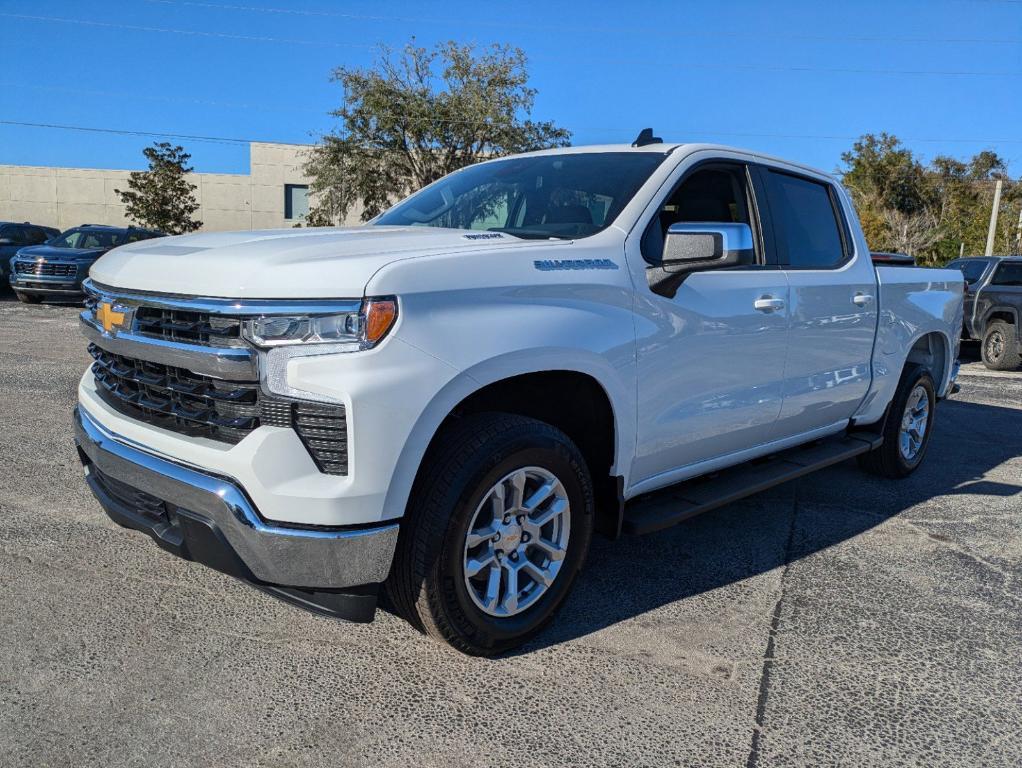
627,578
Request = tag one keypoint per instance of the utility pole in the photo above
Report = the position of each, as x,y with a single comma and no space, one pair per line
1018,233
993,220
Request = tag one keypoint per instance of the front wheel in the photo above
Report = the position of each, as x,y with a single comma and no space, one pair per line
907,428
496,531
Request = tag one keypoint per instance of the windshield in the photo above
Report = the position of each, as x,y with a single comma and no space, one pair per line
561,196
972,271
87,238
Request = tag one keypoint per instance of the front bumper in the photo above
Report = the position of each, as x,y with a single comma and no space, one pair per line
210,519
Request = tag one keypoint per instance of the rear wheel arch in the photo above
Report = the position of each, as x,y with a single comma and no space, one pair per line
932,351
1004,314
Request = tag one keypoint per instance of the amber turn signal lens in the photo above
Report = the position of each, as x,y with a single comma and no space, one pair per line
380,315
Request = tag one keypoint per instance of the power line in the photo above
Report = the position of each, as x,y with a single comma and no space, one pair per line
690,131
194,32
169,99
121,132
716,67
576,28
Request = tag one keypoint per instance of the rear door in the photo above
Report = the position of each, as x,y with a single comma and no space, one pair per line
833,304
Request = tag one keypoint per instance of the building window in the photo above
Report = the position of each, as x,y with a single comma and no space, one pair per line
296,201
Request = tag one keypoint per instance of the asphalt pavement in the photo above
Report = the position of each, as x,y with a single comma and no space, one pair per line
840,619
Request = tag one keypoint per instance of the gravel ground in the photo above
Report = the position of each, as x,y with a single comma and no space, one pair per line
838,619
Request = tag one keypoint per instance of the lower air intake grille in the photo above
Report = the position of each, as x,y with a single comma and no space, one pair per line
324,431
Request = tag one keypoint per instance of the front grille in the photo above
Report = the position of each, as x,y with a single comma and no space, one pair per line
44,268
191,404
189,327
177,399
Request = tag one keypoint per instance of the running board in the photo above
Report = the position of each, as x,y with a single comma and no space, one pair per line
670,506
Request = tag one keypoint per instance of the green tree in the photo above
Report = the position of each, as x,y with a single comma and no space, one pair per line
418,115
930,211
162,198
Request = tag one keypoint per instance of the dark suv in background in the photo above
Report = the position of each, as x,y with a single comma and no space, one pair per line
993,307
57,268
14,236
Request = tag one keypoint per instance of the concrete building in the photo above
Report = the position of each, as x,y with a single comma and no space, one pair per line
275,193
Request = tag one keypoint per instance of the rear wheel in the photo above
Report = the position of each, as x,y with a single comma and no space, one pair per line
496,531
907,428
28,298
1000,350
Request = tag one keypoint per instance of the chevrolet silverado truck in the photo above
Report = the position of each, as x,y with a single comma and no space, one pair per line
441,407
993,308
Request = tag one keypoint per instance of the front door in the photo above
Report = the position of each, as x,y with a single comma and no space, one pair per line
710,359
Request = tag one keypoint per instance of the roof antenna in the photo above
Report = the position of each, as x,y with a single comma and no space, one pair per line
646,137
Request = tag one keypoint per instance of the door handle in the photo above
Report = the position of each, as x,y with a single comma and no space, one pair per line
768,304
862,299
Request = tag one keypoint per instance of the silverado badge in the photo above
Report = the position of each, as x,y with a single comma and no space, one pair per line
113,317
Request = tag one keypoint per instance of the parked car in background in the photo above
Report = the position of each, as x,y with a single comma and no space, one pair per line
14,236
56,269
887,259
993,307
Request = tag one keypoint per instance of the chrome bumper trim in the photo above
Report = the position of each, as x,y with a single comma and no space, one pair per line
234,363
58,288
276,555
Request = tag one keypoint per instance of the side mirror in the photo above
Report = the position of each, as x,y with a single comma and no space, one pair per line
696,247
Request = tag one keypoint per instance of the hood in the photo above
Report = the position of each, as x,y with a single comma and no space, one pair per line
281,263
50,252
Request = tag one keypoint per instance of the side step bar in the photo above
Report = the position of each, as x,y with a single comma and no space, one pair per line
670,506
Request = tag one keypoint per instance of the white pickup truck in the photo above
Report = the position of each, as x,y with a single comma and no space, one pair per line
448,402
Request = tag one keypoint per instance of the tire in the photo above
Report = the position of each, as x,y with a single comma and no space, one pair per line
890,460
1000,350
429,585
28,298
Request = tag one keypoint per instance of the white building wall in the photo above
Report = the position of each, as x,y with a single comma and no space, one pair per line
67,197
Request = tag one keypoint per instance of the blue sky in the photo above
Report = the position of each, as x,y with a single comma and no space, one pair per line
798,79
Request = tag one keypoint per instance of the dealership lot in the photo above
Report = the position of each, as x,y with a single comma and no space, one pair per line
836,619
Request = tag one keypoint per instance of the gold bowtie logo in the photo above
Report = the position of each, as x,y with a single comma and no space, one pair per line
109,317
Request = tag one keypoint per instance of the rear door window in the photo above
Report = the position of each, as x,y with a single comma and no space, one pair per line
806,220
1008,273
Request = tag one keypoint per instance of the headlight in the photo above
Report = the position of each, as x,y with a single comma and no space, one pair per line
366,327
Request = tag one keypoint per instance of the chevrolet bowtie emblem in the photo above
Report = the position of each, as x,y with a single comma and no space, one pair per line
110,317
